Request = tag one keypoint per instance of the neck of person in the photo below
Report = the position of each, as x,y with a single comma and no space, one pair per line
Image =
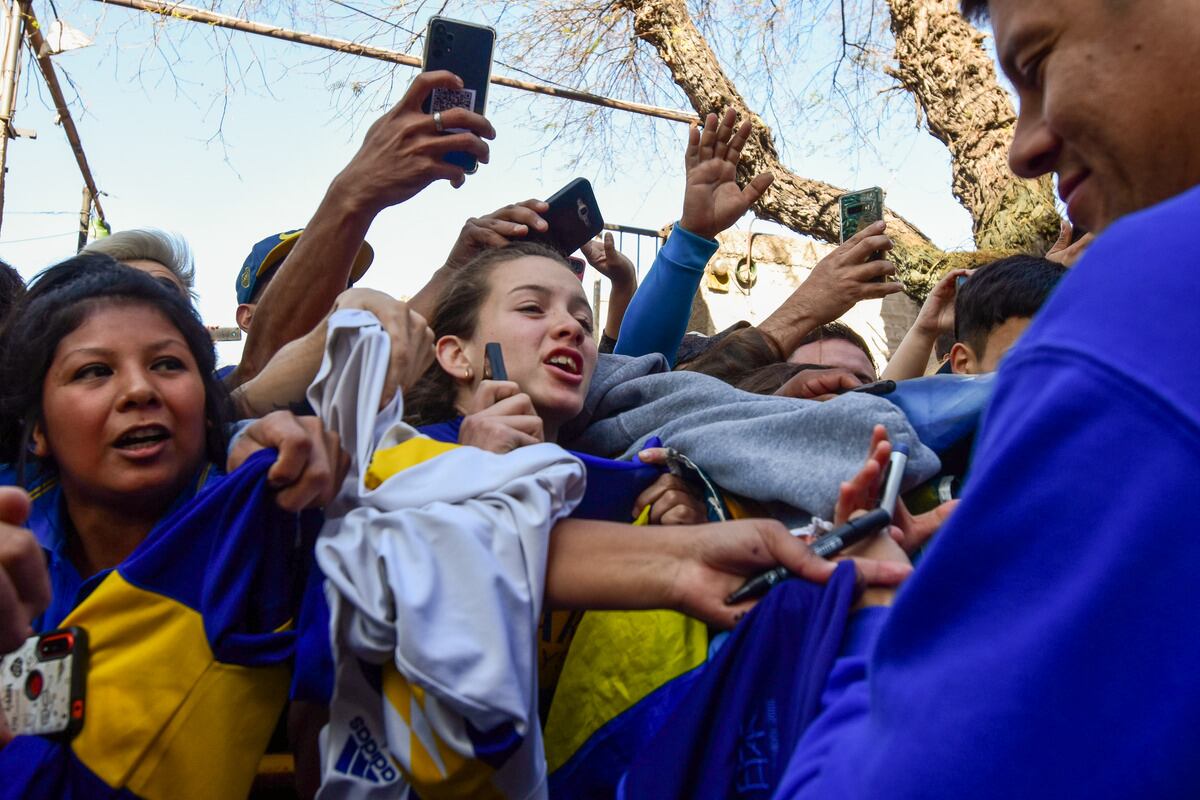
106,532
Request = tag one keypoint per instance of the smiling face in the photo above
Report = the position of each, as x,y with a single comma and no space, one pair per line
536,310
1107,99
123,409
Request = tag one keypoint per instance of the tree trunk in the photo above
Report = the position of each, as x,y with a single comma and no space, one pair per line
807,206
941,61
964,107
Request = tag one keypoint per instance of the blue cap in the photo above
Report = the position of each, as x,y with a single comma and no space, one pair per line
267,254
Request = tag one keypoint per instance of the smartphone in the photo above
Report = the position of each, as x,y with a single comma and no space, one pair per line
465,49
42,683
495,362
858,210
574,218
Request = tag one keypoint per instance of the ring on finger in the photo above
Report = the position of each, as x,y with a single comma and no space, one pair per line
437,122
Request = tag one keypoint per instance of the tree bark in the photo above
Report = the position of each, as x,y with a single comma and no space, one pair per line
807,206
941,61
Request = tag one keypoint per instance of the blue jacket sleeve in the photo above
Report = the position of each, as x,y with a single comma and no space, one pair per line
1042,649
657,317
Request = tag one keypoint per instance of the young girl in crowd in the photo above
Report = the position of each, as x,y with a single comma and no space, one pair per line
181,578
525,298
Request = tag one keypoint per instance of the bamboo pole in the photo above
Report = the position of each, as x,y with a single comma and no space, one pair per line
8,97
41,52
191,14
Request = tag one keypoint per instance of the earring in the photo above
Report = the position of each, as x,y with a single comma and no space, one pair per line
469,374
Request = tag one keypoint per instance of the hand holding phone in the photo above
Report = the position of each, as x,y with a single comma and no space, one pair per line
858,210
573,218
42,683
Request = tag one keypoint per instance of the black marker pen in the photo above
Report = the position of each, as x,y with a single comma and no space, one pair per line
495,362
830,544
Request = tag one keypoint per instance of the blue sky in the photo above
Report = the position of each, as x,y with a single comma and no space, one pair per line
147,130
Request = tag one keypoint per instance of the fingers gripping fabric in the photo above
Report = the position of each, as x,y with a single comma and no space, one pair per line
435,579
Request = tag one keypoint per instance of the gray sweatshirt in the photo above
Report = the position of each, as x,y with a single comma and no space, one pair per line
776,450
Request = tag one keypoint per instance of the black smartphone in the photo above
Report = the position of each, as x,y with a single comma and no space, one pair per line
42,683
495,362
465,49
858,210
574,218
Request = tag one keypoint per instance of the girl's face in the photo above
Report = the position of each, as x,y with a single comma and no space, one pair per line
538,313
123,408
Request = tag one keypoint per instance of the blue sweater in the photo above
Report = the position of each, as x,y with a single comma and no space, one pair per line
1047,647
657,317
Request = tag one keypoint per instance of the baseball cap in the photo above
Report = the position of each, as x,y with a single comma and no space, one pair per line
266,256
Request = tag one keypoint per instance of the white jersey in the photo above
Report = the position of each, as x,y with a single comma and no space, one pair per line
435,561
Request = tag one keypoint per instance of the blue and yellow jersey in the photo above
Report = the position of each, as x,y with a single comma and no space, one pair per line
190,641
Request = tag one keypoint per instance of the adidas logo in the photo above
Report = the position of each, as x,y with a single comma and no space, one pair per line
362,758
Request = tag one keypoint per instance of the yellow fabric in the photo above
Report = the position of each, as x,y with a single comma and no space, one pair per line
164,718
615,659
458,775
386,463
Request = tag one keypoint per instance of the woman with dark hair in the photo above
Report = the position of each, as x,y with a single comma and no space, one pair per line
109,405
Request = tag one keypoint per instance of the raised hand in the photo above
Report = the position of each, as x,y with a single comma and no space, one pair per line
937,313
610,262
403,152
712,200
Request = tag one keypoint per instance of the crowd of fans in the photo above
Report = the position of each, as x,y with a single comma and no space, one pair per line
420,570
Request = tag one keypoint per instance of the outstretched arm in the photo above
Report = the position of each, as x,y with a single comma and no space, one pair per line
712,201
401,155
936,317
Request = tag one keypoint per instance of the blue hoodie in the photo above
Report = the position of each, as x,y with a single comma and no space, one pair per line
1047,646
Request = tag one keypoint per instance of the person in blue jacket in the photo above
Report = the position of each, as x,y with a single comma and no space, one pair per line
1044,647
657,317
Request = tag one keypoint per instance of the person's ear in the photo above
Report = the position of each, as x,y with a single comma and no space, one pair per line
963,360
454,356
245,313
38,444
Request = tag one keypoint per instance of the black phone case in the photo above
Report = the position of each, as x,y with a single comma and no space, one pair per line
574,218
465,50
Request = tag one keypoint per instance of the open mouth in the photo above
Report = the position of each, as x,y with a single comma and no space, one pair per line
142,438
567,361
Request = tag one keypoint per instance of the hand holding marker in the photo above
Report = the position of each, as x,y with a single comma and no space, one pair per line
843,536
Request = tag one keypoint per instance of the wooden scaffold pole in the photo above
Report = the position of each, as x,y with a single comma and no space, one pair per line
41,51
8,95
192,14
